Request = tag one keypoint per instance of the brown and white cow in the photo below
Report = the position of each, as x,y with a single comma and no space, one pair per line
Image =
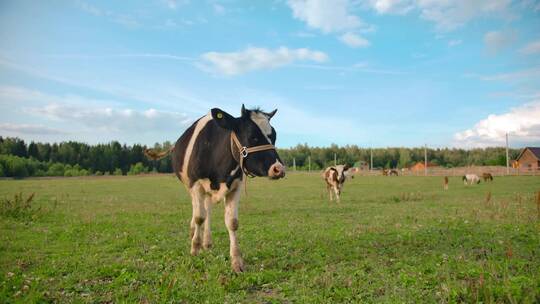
334,177
211,158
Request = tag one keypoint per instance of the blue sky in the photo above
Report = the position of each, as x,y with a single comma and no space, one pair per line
372,73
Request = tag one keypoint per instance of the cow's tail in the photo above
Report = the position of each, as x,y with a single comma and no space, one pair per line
155,155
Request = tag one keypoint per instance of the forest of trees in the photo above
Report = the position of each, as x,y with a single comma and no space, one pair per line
21,159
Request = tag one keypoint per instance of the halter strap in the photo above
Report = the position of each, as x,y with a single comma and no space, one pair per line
244,151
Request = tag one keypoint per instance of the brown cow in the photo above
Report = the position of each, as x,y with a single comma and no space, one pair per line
487,177
335,178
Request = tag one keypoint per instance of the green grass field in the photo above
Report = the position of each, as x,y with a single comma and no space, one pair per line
392,239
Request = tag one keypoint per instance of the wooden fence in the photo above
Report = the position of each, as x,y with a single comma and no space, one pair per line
459,171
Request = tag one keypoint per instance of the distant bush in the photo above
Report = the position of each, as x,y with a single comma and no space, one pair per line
118,171
71,172
98,173
40,173
2,174
84,172
56,169
15,166
138,168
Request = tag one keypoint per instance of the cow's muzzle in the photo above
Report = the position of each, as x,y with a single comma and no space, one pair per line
276,171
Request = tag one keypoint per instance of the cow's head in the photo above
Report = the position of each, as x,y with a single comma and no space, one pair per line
253,129
341,171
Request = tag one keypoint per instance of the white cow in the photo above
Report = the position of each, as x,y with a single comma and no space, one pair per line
469,179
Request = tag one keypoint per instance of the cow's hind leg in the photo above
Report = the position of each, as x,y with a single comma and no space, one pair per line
329,189
207,239
231,221
198,218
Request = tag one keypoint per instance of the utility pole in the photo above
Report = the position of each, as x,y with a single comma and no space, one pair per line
309,163
294,163
507,160
371,159
425,160
335,159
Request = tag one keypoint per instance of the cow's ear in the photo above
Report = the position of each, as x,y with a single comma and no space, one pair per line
346,167
271,114
244,112
224,119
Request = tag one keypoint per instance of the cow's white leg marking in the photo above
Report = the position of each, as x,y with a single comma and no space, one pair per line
336,191
198,218
189,149
329,189
207,239
231,221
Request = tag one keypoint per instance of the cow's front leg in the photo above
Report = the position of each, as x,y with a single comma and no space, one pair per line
231,221
337,193
207,239
329,189
198,218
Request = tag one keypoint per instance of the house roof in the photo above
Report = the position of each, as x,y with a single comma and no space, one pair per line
422,164
534,150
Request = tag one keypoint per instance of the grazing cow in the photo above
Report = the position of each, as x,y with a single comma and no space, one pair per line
445,184
335,178
211,158
389,172
487,177
470,179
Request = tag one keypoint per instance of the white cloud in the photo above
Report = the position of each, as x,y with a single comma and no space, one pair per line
447,15
126,20
522,123
91,114
254,58
455,42
399,7
109,119
174,4
328,16
517,75
12,129
219,9
496,41
531,48
354,40
332,17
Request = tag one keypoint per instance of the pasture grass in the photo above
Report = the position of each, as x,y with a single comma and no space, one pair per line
391,239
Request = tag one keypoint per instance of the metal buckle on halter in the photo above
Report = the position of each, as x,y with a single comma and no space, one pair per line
244,152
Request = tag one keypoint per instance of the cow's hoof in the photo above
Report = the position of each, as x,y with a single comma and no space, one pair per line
237,265
195,247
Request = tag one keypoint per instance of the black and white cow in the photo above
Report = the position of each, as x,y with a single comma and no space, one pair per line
211,158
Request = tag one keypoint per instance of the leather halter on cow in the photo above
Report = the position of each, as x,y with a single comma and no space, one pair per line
243,152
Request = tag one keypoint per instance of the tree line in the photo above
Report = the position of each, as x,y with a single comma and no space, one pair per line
21,159
321,157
